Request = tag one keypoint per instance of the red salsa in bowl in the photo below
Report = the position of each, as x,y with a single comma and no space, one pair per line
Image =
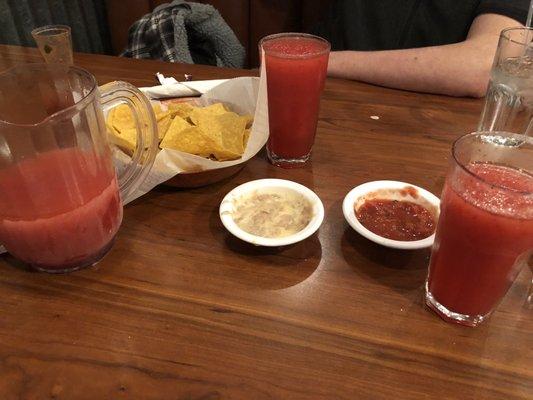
393,214
396,219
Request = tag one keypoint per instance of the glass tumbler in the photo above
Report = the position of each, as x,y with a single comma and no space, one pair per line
485,230
295,65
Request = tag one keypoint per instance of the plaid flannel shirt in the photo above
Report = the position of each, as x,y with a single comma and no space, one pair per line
174,32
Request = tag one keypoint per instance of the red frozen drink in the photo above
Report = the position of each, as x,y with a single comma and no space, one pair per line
485,231
296,66
59,209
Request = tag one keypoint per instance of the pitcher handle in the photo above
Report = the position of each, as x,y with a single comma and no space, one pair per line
131,177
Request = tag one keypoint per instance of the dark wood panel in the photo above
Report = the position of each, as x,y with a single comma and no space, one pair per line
120,16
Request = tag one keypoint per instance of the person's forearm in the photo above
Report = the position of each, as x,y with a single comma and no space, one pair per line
457,69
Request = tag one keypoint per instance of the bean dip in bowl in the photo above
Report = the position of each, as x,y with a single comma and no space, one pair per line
271,212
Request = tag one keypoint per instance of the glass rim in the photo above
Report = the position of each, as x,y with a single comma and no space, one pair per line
44,29
327,49
58,114
477,177
505,33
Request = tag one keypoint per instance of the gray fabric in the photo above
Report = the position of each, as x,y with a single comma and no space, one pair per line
185,32
87,19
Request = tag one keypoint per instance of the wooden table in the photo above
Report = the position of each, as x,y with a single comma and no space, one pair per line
180,309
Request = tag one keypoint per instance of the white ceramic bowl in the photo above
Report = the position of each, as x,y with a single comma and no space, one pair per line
388,189
227,208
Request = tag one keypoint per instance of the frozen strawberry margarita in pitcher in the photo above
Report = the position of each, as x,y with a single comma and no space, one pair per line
59,217
60,203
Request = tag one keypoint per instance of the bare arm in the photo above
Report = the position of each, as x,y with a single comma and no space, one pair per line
459,69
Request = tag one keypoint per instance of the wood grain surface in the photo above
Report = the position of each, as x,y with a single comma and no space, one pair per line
180,309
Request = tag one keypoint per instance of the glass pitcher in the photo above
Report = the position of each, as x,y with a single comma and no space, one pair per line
61,199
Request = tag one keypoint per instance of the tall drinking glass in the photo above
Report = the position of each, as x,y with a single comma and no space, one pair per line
54,43
60,201
485,230
296,66
509,99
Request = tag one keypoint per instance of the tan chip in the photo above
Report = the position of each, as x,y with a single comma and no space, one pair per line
162,126
245,137
213,131
190,140
172,137
182,110
199,112
249,120
226,131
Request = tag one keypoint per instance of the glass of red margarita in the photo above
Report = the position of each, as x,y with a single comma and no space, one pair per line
485,230
296,66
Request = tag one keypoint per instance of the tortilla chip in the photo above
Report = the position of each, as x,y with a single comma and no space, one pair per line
189,140
212,131
111,130
116,138
129,136
249,120
162,115
199,112
121,118
245,137
126,140
163,125
157,108
172,135
182,110
178,124
216,108
226,131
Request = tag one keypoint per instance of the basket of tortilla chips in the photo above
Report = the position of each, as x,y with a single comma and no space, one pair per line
201,140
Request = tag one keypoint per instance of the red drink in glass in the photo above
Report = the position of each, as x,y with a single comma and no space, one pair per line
485,230
296,66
